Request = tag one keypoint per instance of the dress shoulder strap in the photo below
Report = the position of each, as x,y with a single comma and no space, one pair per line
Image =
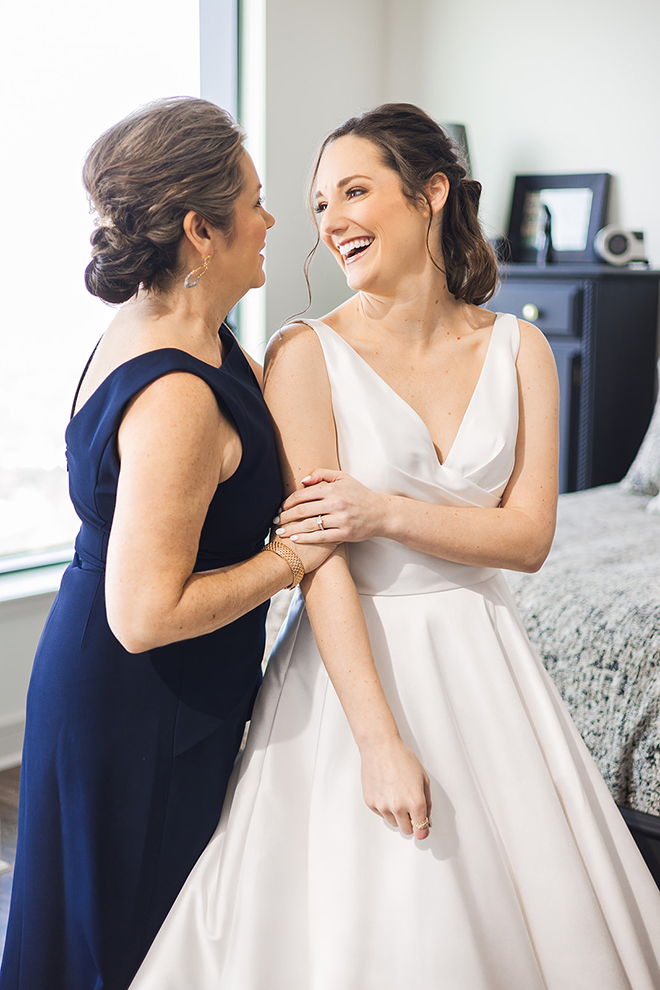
82,377
508,331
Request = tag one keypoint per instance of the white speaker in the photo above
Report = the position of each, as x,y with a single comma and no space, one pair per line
618,246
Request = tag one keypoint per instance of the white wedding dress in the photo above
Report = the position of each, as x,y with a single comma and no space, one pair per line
529,880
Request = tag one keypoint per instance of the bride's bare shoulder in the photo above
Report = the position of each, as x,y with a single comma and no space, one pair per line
299,340
289,335
294,344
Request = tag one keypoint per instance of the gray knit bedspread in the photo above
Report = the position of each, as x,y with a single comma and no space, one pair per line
593,614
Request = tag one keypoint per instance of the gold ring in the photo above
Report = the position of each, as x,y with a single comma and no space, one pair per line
420,825
319,522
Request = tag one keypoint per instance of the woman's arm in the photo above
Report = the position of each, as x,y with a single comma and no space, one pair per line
175,447
297,392
517,535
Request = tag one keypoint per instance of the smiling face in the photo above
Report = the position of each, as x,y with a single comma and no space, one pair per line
248,238
376,234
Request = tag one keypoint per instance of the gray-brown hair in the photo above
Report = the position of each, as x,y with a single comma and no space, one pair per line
143,175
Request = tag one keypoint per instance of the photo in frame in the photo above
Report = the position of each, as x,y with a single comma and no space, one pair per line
576,206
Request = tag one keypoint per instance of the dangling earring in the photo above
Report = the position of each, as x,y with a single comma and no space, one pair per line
190,281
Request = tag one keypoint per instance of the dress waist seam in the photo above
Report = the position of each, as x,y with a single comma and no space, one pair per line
450,586
87,563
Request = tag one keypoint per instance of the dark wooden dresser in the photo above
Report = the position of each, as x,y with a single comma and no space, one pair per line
602,325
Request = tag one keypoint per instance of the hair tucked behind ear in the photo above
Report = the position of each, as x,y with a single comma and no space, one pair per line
470,262
416,148
143,175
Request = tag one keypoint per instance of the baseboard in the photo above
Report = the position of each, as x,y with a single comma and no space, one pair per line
11,741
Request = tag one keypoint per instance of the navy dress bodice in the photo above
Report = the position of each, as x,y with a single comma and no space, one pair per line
127,757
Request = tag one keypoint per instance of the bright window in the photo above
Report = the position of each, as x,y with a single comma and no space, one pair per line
67,72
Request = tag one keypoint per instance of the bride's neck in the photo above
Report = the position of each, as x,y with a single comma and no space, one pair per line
416,311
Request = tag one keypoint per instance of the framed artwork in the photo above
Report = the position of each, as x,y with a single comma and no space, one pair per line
572,206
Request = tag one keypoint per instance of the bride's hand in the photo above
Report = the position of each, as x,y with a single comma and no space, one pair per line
396,786
349,512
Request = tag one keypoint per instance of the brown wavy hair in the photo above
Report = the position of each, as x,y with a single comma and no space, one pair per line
143,175
416,148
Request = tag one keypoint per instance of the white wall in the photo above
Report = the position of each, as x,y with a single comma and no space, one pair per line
21,621
568,87
324,63
572,86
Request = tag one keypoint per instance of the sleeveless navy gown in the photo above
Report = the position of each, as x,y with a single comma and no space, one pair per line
127,757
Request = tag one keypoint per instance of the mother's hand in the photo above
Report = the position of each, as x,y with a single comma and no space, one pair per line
349,512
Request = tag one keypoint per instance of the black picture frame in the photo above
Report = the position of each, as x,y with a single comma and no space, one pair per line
521,250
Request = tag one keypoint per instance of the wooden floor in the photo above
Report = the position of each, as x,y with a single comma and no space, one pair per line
8,822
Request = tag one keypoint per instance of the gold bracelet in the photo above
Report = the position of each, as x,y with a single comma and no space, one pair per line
292,559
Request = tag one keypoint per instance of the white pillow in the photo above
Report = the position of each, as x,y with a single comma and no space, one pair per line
643,477
654,504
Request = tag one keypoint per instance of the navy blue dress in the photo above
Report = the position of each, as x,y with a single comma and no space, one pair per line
127,757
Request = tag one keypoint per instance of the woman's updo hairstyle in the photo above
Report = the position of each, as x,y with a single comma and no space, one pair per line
416,148
143,175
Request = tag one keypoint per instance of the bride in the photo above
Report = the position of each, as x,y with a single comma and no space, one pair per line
403,683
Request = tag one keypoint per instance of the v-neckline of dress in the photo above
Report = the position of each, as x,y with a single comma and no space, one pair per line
441,463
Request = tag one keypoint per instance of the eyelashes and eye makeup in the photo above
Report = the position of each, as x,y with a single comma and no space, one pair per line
350,194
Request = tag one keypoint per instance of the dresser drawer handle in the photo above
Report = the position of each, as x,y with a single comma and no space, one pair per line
530,312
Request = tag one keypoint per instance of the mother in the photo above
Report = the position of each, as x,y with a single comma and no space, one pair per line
150,659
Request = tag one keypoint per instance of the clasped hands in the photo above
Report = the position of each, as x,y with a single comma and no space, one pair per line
332,507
